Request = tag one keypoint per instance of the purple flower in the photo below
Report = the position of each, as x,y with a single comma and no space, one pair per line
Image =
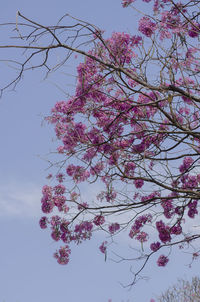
193,32
142,237
146,26
164,231
187,163
192,209
176,230
62,255
55,235
43,222
98,220
64,227
155,246
47,207
59,189
114,227
103,247
126,3
162,260
138,183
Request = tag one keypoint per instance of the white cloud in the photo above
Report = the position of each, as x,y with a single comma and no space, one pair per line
20,199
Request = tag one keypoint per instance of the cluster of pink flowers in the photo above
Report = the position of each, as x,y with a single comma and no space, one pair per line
62,255
194,30
53,196
162,260
142,237
129,169
155,246
138,183
121,47
192,209
164,231
43,222
47,202
168,208
83,230
96,170
189,181
170,20
60,177
146,26
114,227
78,173
99,220
176,229
187,163
138,224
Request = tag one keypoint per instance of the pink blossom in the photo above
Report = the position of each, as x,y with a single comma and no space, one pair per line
55,221
78,173
155,246
99,220
82,206
60,177
96,170
56,235
139,223
47,191
162,260
192,209
194,30
83,231
142,237
59,189
164,231
64,226
47,207
170,21
103,247
62,255
136,40
187,163
146,26
126,3
176,229
129,169
61,149
110,196
168,208
49,176
114,227
59,201
138,183
43,222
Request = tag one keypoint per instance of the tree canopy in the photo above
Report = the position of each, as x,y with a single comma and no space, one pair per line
129,135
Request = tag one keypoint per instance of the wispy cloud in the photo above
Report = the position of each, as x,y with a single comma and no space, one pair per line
20,199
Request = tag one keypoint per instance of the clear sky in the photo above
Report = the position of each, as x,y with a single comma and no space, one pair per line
28,272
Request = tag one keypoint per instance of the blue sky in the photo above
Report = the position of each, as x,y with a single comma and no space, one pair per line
28,271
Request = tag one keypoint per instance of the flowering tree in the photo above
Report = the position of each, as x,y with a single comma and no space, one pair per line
130,133
183,291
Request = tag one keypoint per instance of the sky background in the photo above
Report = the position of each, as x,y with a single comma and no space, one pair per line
28,272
